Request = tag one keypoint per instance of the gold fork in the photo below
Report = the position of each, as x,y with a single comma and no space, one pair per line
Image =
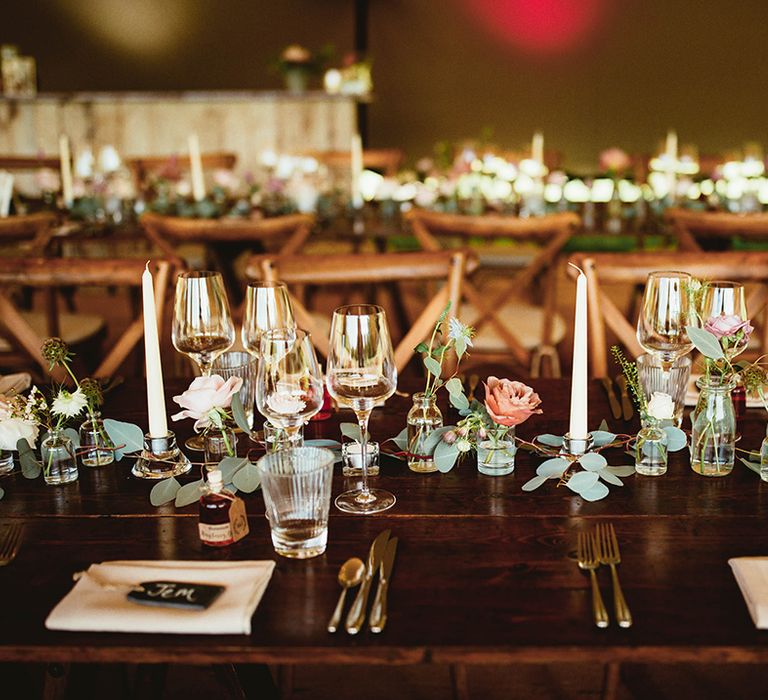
10,539
588,561
608,553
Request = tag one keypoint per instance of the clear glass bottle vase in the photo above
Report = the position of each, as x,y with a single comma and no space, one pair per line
651,455
220,444
713,428
423,418
59,461
97,449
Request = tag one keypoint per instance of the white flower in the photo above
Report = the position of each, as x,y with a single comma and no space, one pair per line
456,330
285,404
13,429
463,445
69,404
661,406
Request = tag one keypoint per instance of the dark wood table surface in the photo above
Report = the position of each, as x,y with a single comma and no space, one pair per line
485,573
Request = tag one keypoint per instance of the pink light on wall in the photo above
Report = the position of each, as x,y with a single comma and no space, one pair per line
539,26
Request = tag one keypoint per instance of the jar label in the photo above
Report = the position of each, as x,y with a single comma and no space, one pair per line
218,534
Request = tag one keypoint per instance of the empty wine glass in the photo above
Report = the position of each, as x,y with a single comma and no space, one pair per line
722,299
666,312
267,307
361,372
289,383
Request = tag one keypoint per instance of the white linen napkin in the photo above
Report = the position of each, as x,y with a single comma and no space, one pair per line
15,383
752,576
98,601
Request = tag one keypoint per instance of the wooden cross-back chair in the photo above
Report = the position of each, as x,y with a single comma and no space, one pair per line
384,160
633,269
32,232
52,273
15,162
693,228
528,332
143,167
364,269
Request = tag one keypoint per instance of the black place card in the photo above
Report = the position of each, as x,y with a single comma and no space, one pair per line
176,594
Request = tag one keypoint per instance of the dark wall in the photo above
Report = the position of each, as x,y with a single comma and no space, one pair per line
620,73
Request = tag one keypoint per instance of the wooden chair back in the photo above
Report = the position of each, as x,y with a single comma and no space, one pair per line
36,229
13,162
384,160
51,273
379,268
143,167
633,268
691,227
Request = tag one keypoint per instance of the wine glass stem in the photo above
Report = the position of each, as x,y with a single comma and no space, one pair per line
206,367
362,421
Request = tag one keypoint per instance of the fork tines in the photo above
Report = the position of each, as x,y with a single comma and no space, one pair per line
10,539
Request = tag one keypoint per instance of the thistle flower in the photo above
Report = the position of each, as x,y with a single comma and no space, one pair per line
93,392
56,351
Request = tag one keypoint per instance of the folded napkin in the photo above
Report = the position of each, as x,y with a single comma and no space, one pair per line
15,383
752,576
692,395
98,601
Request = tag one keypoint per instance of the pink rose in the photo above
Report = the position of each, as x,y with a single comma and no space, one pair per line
722,326
614,160
510,403
205,394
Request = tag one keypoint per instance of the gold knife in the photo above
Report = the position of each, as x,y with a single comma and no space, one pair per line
612,398
626,402
356,615
378,618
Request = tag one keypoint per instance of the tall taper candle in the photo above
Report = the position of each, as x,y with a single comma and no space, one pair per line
196,168
578,424
66,170
158,422
671,148
537,148
356,161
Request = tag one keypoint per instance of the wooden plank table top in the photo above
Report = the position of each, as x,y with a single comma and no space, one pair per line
485,573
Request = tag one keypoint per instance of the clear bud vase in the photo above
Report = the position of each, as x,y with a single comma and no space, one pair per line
97,449
713,433
651,455
764,457
59,461
423,418
220,444
496,455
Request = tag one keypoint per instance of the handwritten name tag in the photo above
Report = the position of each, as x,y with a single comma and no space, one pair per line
176,594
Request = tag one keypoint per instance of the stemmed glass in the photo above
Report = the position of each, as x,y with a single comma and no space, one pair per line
723,298
202,324
289,384
361,371
667,311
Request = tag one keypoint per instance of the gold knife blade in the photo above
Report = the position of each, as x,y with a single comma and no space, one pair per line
378,618
626,402
356,615
612,398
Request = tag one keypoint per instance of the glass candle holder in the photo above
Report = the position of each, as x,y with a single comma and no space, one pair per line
352,459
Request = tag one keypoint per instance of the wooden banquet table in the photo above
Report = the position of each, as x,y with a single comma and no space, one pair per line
485,572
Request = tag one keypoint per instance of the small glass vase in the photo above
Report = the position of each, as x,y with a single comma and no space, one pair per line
219,444
423,418
59,461
6,462
713,433
651,455
496,457
97,450
764,457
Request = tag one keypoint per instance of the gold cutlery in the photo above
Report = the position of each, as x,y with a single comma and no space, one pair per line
608,553
356,615
612,398
588,561
350,575
474,380
378,618
626,402
10,540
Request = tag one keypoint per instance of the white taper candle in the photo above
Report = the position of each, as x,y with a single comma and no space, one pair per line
158,422
578,422
196,168
356,161
66,170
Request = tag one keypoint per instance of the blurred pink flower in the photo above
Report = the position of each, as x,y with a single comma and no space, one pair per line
614,160
723,326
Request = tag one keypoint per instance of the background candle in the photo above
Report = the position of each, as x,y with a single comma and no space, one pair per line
578,423
66,170
196,169
537,148
158,423
357,169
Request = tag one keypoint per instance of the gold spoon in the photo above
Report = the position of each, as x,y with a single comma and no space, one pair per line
350,575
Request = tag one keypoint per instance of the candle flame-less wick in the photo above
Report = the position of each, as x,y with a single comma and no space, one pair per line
147,265
576,267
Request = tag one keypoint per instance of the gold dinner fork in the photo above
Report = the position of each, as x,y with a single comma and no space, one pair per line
588,561
608,553
10,539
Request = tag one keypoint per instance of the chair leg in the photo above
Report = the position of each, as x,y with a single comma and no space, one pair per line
611,681
55,681
459,684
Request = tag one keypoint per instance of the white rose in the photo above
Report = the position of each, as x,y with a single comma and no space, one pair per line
13,429
661,406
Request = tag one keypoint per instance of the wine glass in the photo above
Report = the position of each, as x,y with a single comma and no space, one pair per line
667,311
724,298
361,371
202,324
289,384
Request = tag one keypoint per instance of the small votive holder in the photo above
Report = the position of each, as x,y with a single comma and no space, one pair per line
6,462
576,446
352,458
161,458
276,439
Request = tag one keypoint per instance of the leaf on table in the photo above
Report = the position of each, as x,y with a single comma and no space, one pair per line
552,468
433,366
30,467
189,493
550,440
595,493
435,438
248,479
593,461
324,442
610,477
676,438
164,491
229,466
754,466
626,470
238,413
352,431
582,481
533,484
129,435
705,342
601,438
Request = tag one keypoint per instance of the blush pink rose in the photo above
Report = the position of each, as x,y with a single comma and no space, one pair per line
614,160
510,403
205,394
723,326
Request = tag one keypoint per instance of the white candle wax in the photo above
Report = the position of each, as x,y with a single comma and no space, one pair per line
578,422
537,148
196,168
66,170
158,423
671,149
357,169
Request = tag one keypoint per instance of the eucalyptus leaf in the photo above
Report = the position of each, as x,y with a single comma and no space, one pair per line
189,493
352,431
433,366
676,438
595,493
247,479
533,484
401,440
550,440
435,438
421,347
552,468
453,386
73,435
164,491
324,442
2,493
460,345
459,401
30,467
705,342
593,461
754,466
129,435
229,467
238,413
604,426
611,478
445,456
582,481
602,437
627,470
